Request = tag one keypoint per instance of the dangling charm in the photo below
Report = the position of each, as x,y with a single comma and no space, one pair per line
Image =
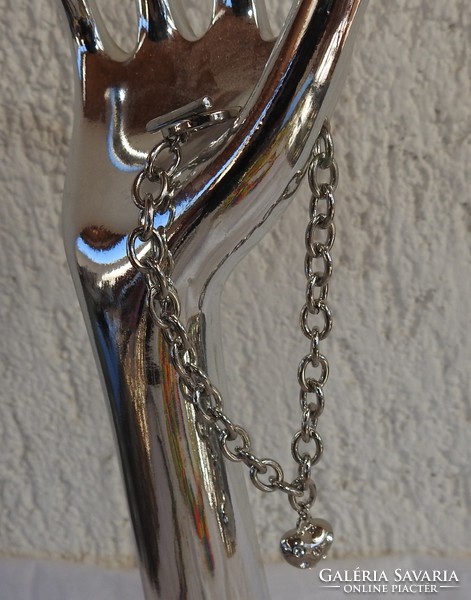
308,543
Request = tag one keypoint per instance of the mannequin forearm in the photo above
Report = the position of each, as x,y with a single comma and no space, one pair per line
182,505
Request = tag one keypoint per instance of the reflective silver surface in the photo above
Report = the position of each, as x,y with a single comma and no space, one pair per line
192,522
308,543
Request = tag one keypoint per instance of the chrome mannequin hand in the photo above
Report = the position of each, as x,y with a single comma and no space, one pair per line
191,520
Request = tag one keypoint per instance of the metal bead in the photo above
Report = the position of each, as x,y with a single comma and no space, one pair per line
307,544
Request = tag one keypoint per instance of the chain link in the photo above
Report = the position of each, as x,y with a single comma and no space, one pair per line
149,254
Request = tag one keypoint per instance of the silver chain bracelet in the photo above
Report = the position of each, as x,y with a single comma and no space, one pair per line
310,540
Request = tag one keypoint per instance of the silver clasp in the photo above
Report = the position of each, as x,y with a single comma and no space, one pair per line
192,117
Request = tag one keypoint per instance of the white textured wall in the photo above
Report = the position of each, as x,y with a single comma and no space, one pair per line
396,472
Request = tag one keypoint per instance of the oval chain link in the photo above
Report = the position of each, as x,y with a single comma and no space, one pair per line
153,259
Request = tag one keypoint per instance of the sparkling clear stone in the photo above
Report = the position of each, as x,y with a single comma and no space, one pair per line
306,545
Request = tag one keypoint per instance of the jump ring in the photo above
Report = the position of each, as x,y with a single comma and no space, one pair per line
147,218
322,294
321,189
251,460
305,381
319,308
322,277
144,264
153,172
329,211
300,505
298,457
136,190
228,453
263,486
313,388
317,248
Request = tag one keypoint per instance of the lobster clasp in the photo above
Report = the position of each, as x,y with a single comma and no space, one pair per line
192,117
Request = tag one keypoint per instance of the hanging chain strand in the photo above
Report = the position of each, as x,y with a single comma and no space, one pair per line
155,263
311,394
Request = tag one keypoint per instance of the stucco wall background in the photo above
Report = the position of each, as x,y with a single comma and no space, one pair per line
395,477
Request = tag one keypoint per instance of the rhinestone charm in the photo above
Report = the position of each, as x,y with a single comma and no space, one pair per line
308,543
